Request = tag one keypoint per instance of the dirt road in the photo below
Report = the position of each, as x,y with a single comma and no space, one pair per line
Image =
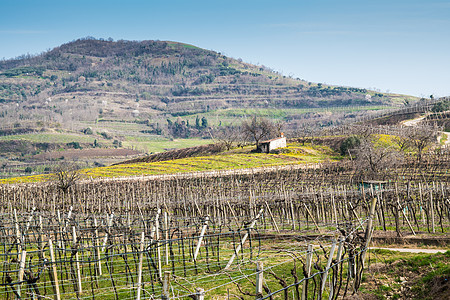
430,251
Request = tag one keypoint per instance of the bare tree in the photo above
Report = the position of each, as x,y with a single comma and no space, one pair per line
375,159
227,136
420,138
258,129
66,175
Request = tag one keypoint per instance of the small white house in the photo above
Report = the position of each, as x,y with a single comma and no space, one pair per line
269,145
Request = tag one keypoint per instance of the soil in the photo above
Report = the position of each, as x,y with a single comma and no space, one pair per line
72,154
390,238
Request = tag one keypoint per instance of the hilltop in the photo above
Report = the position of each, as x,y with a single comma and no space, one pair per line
151,96
129,79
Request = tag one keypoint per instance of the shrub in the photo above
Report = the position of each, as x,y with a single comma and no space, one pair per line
349,144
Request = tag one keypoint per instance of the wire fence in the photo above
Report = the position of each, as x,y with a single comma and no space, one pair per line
121,257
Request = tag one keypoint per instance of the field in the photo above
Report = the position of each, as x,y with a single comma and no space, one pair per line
302,222
117,239
236,159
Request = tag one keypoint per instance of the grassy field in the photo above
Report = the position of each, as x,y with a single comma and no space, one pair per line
401,275
235,159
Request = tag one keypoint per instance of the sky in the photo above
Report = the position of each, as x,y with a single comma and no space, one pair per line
400,46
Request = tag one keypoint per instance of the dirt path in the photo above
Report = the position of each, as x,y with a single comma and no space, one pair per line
413,122
416,121
431,251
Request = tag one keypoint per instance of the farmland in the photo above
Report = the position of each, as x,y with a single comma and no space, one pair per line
188,236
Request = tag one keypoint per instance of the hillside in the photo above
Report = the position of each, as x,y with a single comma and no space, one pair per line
151,96
129,79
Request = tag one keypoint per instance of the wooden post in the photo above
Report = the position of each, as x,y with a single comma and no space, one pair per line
54,273
327,268
422,213
166,229
18,235
432,211
166,284
200,295
244,238
41,239
158,249
403,212
23,256
141,259
367,237
202,233
333,203
271,216
259,279
312,217
110,221
338,258
29,220
77,262
309,255
97,249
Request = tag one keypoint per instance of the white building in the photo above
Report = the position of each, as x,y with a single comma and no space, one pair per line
269,145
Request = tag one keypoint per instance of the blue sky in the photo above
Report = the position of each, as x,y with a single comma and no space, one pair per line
397,45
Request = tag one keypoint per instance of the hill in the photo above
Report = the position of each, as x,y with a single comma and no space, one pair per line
152,96
100,79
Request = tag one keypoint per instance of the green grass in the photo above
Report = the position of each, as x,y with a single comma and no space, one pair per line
421,268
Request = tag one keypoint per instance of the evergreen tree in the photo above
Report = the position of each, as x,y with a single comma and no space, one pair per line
204,122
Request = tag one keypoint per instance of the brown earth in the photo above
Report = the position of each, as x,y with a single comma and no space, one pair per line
75,153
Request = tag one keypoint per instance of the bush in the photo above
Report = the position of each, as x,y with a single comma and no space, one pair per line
74,145
441,106
87,130
28,170
349,144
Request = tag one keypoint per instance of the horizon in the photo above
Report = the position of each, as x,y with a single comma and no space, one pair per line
391,46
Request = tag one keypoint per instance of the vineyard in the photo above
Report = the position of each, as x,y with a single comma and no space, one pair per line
283,233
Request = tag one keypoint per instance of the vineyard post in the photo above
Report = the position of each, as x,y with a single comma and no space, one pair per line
244,238
200,295
259,279
202,233
97,248
309,255
30,219
338,258
18,235
367,237
141,259
158,249
41,239
77,262
23,256
166,229
166,283
312,217
54,273
110,221
403,211
421,204
271,216
432,211
327,268
354,213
